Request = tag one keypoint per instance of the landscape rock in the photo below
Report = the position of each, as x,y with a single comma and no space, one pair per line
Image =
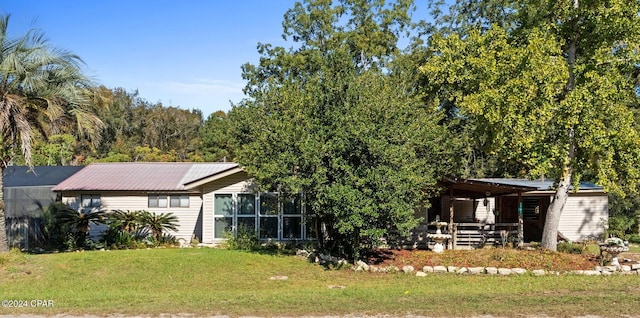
439,269
429,269
592,272
538,272
421,274
279,277
408,269
519,271
476,270
452,269
462,270
505,271
362,266
635,266
492,270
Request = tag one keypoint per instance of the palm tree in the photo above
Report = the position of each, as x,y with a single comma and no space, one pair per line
80,222
159,223
42,91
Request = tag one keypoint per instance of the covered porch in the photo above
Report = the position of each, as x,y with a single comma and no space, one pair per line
480,213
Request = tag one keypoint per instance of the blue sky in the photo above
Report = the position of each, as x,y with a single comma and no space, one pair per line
180,53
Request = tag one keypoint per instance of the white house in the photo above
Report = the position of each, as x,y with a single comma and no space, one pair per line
209,199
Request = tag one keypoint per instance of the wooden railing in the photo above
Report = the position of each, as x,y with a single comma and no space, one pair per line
474,235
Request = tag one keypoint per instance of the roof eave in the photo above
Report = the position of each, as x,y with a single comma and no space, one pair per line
211,178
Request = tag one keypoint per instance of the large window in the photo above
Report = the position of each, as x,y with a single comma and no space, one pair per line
292,218
246,213
267,215
222,214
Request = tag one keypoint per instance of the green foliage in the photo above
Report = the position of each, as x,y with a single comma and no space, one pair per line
570,248
245,240
158,224
134,229
540,92
633,238
137,130
217,142
326,119
621,225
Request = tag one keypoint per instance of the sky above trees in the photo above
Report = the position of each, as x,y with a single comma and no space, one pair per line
185,54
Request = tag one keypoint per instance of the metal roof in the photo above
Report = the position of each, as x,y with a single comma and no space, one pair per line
491,187
540,185
140,176
23,176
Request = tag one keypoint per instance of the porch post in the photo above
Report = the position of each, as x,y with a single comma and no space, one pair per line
452,243
520,221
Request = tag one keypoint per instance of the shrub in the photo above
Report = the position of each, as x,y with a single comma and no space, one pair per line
633,238
620,225
570,248
244,240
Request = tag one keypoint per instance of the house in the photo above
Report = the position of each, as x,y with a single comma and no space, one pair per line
209,199
27,194
480,211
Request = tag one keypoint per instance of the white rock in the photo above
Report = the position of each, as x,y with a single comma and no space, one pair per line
452,269
538,272
635,266
505,271
592,273
476,270
421,274
462,270
408,269
362,266
519,271
625,268
439,269
429,269
278,278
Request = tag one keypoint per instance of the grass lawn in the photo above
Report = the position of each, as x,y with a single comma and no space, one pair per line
212,281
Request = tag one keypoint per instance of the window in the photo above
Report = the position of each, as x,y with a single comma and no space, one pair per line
222,214
292,218
90,201
269,215
179,201
157,200
246,217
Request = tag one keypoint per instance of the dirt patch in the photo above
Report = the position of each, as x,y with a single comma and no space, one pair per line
634,257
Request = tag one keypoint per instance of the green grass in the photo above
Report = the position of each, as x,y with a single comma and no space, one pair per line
210,282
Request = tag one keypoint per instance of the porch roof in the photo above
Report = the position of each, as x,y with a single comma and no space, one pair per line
478,188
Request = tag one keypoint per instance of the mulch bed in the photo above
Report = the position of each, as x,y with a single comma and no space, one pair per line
493,257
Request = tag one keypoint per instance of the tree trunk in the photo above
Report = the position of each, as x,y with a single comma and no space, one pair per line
552,221
4,244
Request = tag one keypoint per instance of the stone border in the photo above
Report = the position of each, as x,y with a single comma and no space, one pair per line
632,269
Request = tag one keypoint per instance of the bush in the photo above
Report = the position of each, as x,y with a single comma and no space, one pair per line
620,225
569,248
245,240
633,238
